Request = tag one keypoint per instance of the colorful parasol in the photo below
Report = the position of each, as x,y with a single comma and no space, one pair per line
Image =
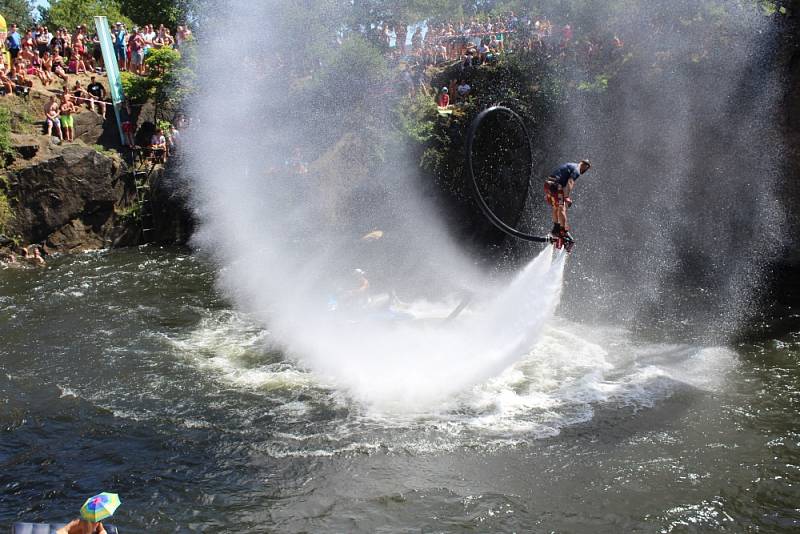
100,507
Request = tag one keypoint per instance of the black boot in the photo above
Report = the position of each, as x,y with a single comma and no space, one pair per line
556,231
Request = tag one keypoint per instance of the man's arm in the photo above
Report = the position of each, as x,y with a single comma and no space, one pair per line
568,189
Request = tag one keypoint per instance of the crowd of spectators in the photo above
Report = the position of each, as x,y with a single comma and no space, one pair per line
481,40
54,58
131,48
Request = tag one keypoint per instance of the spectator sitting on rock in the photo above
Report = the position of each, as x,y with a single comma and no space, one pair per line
58,66
495,45
444,98
39,67
97,95
463,90
158,146
76,64
483,52
79,92
20,79
6,82
51,112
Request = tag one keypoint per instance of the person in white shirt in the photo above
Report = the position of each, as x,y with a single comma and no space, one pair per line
158,146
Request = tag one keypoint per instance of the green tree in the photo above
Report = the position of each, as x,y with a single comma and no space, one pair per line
19,12
170,13
71,13
169,81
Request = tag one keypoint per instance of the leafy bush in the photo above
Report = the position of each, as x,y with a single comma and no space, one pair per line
137,89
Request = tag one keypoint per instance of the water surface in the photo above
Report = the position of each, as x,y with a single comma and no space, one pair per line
126,371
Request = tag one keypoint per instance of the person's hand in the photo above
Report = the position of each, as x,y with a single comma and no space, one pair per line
568,202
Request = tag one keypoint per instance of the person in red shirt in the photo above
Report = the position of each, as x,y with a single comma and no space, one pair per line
444,98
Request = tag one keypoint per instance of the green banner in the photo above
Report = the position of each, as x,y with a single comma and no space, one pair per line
112,70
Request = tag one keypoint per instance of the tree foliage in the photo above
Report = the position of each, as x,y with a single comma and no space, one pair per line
169,80
71,13
170,13
19,12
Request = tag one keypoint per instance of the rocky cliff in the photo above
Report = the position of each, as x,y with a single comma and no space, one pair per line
72,197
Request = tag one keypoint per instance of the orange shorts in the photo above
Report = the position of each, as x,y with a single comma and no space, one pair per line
553,195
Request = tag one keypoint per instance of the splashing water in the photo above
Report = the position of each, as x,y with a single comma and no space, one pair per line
288,242
415,364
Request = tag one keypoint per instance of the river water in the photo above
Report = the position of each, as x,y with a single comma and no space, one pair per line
127,371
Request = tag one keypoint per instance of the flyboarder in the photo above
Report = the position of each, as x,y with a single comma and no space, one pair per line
557,189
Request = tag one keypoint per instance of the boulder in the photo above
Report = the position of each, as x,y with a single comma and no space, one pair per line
90,127
67,199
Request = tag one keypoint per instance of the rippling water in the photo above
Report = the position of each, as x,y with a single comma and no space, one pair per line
125,371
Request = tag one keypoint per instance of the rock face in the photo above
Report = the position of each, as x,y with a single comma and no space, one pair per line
74,198
67,199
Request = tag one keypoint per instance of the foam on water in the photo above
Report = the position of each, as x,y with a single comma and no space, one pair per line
558,380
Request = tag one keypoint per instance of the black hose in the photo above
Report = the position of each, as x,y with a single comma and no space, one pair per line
487,211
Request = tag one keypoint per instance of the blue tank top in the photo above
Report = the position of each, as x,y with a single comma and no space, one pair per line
566,171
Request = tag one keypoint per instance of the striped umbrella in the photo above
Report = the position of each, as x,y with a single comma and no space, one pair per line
100,507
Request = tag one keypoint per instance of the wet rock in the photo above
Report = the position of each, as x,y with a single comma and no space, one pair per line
67,198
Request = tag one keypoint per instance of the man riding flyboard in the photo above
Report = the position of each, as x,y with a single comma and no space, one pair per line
557,189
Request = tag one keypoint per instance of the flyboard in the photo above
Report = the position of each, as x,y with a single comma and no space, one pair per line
476,191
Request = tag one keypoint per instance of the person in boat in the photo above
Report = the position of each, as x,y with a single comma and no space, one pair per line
558,190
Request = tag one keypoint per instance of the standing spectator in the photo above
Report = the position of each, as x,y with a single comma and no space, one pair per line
173,139
566,35
13,42
43,41
182,35
401,33
67,45
97,95
408,81
57,43
67,120
136,46
118,36
148,36
51,112
28,42
416,39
